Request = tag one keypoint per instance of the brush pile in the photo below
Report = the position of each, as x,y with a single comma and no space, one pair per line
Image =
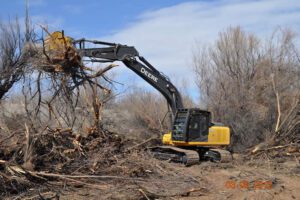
30,163
286,141
59,151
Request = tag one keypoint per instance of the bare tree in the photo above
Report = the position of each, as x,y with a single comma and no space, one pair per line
15,52
249,83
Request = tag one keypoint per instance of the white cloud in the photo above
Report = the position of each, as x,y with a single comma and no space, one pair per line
166,36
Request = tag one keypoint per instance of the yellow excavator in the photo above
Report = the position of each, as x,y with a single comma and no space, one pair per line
193,136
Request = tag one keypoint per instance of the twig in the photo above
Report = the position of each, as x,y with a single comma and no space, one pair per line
27,161
278,104
102,71
159,167
85,176
137,145
10,136
276,147
144,194
2,162
270,148
83,183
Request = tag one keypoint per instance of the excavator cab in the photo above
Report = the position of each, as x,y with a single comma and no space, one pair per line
193,127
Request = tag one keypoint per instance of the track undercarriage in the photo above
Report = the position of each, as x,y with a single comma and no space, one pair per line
190,156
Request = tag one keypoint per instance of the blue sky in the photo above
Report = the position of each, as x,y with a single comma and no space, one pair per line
164,31
90,18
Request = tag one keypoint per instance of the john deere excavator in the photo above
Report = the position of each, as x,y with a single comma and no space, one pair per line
193,136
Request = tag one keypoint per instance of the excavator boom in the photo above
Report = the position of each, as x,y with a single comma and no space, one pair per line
131,58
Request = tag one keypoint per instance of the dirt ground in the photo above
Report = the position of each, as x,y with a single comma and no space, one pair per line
251,180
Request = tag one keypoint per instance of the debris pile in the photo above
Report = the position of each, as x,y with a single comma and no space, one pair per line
59,151
99,159
286,141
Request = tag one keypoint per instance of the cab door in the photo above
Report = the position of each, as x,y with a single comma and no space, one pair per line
198,127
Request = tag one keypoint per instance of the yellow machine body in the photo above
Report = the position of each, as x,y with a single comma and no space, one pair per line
217,136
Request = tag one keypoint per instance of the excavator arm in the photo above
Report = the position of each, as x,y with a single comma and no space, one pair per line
110,52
